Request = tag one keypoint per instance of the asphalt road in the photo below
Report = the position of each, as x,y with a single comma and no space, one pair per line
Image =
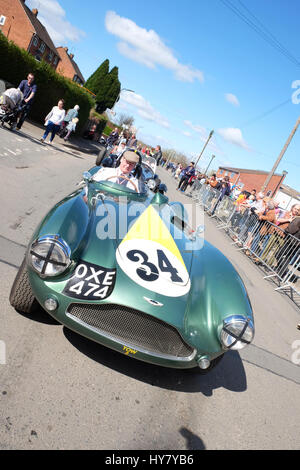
61,391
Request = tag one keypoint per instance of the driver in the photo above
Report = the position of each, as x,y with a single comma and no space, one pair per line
123,173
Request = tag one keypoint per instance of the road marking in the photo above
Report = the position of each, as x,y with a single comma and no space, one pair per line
10,151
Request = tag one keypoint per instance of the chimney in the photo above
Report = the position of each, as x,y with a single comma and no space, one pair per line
71,56
35,12
66,49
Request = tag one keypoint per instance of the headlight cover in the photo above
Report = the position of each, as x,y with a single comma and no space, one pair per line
237,332
151,183
49,255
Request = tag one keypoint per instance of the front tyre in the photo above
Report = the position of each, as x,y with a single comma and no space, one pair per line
21,296
101,155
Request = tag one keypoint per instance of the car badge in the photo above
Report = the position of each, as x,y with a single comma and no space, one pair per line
154,302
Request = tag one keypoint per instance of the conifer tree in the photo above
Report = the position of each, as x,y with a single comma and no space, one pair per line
95,81
105,85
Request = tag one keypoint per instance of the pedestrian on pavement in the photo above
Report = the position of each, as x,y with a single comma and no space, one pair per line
71,127
53,120
71,114
29,89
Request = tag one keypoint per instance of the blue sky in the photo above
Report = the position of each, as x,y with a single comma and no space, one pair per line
195,66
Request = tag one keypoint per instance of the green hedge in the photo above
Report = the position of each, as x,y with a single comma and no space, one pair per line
16,63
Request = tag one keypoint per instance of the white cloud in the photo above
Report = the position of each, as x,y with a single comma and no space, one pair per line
146,47
144,108
232,99
186,133
53,17
197,128
234,136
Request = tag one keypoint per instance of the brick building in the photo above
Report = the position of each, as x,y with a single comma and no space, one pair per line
68,67
22,26
251,179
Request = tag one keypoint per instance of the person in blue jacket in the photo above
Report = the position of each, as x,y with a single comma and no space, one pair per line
29,89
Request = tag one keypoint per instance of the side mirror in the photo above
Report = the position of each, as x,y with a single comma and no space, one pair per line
87,177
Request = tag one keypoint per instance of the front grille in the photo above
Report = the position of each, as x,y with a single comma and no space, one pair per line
132,327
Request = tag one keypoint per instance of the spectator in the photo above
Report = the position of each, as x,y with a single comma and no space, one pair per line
132,142
178,171
263,231
257,207
291,245
213,182
113,137
29,89
186,174
53,120
278,235
158,154
224,191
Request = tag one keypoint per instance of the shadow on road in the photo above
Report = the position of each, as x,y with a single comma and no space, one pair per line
193,442
53,147
40,316
229,373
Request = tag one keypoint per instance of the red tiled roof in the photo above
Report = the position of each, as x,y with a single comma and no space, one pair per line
39,28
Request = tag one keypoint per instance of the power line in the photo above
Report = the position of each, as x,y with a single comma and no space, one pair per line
266,113
262,32
266,30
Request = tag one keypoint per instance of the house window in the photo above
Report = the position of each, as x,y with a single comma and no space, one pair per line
50,56
55,60
42,48
221,172
232,175
36,41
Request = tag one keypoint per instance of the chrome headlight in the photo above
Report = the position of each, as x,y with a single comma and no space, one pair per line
237,332
151,183
49,255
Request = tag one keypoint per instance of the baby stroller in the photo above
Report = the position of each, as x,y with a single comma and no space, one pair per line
11,104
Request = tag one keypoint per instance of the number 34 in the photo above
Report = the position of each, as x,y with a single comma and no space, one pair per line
149,271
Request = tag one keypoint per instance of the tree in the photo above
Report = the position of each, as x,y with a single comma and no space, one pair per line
125,119
98,78
109,92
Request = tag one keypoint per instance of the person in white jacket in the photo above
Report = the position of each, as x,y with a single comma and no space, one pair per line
53,120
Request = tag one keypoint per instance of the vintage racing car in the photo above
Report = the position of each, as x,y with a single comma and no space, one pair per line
125,270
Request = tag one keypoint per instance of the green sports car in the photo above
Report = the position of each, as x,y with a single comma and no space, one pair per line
122,268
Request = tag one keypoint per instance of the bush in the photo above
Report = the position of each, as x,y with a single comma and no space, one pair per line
16,63
107,130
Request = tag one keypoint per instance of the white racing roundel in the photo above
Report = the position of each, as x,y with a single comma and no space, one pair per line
150,257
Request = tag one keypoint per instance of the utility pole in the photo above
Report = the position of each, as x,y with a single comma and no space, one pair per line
213,156
268,179
208,139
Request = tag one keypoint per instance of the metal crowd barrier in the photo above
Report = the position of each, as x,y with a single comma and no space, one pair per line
266,243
